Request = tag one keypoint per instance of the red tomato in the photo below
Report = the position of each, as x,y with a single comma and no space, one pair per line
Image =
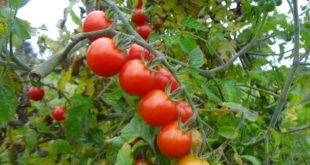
59,113
138,18
144,31
96,20
104,58
135,78
191,160
172,141
36,93
163,78
184,109
143,162
136,52
158,24
156,109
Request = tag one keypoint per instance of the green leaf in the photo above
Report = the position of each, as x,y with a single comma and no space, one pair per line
13,81
64,78
196,58
61,146
252,159
18,3
259,76
78,117
31,139
187,44
117,141
249,115
75,18
226,48
113,98
8,13
95,135
228,132
137,128
8,104
124,155
111,153
231,91
20,28
193,24
276,136
139,144
162,158
210,94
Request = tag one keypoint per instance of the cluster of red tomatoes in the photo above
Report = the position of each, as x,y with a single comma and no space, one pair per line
37,93
105,59
156,108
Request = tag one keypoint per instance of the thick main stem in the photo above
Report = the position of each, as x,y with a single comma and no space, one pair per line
282,99
48,66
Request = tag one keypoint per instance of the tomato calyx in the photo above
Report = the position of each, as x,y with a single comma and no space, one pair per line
122,42
109,13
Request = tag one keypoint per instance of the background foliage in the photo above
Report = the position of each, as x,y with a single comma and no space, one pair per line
236,103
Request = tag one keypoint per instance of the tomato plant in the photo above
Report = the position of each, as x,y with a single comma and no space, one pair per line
138,52
191,160
144,31
36,93
104,58
96,20
138,17
156,109
59,113
172,141
135,78
123,103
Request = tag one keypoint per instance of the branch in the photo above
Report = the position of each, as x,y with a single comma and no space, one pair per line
296,61
282,99
48,66
221,68
262,90
301,128
10,64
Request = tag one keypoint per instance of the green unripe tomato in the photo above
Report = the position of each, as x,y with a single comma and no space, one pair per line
269,6
278,2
